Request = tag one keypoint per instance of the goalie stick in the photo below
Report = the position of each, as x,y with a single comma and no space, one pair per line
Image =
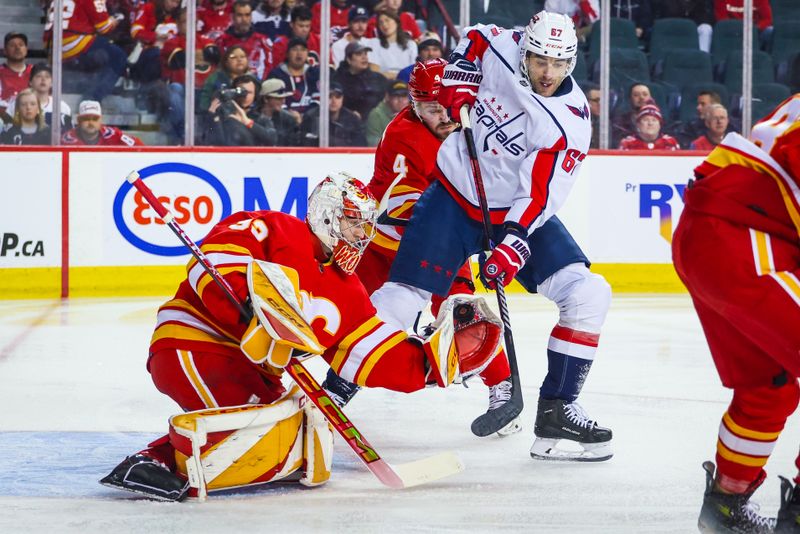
400,476
493,420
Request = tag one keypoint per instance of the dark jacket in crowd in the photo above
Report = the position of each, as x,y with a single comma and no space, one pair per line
700,11
346,130
363,91
305,88
227,131
15,136
286,128
637,11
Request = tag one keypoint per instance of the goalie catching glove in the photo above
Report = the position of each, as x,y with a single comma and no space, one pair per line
279,324
463,340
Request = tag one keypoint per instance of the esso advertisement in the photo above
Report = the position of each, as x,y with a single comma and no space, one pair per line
30,210
199,189
633,205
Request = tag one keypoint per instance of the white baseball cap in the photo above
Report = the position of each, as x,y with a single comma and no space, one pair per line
90,107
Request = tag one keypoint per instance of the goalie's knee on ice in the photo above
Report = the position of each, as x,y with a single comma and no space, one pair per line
252,444
583,297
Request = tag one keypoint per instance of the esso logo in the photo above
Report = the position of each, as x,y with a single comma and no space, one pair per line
196,198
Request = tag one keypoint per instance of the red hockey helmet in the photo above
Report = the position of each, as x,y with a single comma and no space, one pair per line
426,80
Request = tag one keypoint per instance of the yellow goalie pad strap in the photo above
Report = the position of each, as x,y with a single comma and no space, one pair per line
440,349
259,346
251,444
317,447
277,301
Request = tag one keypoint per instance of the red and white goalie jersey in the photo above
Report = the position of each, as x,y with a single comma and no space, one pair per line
404,160
109,136
83,20
359,346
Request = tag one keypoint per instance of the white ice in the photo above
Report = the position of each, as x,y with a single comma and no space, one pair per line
76,398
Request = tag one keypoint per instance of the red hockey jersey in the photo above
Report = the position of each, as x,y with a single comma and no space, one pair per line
359,346
12,82
146,27
258,47
178,44
83,20
404,160
665,142
213,22
109,136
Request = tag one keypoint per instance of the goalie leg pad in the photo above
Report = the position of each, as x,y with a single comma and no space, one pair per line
317,447
241,445
464,340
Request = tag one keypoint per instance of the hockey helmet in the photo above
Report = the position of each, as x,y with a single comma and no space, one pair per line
778,134
550,35
426,80
338,207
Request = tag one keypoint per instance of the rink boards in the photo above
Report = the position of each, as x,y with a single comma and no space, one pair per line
71,226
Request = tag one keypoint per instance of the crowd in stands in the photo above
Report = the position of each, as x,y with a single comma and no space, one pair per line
258,68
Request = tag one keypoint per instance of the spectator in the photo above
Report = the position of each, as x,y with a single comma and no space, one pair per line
300,29
300,77
394,102
408,22
762,16
214,18
696,127
430,47
716,118
92,64
592,92
624,122
91,130
42,84
393,49
363,87
272,19
231,124
272,114
28,126
257,45
155,22
637,11
173,70
648,132
357,26
583,13
339,13
16,72
233,64
346,128
700,11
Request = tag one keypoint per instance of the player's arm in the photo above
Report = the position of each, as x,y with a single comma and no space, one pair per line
99,17
143,27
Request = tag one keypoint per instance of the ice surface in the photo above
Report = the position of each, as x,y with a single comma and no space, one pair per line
76,399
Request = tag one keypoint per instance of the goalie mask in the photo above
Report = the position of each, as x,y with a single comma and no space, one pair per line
342,214
550,35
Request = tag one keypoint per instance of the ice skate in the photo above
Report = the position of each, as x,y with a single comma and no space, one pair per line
146,476
559,422
339,389
728,512
502,417
789,514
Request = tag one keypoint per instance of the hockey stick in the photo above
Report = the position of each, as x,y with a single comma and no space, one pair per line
401,476
493,420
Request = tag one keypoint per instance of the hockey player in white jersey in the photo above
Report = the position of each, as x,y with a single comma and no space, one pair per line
532,130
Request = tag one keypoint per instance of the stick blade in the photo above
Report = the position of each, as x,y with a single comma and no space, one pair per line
429,469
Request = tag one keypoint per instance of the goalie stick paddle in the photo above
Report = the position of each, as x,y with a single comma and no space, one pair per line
400,476
493,420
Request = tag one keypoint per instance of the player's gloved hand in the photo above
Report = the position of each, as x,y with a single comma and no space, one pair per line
507,258
460,83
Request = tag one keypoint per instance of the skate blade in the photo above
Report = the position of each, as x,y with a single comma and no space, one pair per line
548,449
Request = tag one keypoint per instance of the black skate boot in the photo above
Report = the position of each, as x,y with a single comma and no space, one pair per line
557,419
502,417
789,514
339,389
724,512
144,475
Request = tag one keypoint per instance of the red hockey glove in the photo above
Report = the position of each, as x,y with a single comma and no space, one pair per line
460,83
507,258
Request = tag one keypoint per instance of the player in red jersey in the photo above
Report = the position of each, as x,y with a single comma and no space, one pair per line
91,130
155,22
85,48
299,277
404,164
257,45
736,248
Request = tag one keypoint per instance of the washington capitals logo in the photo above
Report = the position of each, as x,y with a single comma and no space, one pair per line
582,113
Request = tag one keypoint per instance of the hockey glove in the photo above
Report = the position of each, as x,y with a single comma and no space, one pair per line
460,83
507,258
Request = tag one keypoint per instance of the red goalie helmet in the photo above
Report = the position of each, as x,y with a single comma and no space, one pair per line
426,80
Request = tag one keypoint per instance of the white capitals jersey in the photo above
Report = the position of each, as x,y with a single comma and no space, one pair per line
530,147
